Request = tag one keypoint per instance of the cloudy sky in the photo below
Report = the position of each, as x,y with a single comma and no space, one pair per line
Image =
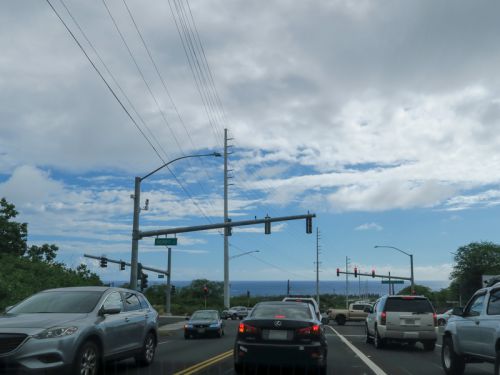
380,117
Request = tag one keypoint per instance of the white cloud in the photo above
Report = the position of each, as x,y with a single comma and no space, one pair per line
369,226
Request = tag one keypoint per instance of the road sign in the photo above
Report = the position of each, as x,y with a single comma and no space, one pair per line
166,241
161,276
393,281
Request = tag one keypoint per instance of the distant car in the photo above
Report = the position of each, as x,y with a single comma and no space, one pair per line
402,318
75,330
225,314
238,312
443,318
282,334
355,312
312,302
204,323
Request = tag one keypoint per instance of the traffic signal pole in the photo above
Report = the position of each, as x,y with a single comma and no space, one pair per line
169,286
120,262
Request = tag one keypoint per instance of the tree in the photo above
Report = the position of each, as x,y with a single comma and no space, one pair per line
13,235
45,253
471,262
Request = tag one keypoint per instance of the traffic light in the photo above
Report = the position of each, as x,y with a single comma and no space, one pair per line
104,262
205,290
355,271
172,289
144,281
139,270
338,272
228,230
122,266
267,226
309,225
373,273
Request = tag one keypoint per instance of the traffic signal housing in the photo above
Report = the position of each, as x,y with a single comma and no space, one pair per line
373,273
104,262
144,281
309,225
355,271
122,266
205,290
267,226
172,289
338,272
229,230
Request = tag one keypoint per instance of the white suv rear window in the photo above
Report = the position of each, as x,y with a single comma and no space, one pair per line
408,304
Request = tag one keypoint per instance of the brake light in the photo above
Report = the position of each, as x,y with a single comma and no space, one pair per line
313,330
383,318
408,297
246,328
434,315
280,316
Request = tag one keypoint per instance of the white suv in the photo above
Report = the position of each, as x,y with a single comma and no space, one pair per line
310,301
402,318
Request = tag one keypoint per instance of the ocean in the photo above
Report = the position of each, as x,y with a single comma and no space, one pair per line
275,288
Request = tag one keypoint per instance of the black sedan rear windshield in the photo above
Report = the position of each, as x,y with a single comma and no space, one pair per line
58,302
408,304
288,311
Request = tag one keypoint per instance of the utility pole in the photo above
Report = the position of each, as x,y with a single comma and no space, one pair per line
389,283
288,288
169,285
226,239
135,234
317,265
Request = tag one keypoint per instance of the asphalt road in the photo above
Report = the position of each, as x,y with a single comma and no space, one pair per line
348,354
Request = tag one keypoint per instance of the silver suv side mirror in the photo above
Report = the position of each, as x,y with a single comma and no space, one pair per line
457,311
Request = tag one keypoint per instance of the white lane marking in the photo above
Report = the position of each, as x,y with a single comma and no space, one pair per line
377,370
439,346
164,342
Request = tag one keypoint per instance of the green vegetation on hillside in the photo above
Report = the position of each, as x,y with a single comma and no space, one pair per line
25,270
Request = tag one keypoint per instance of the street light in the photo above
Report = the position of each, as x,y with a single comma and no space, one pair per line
411,264
229,285
137,209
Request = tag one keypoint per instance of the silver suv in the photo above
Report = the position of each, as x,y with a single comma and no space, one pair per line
473,334
74,330
312,302
402,318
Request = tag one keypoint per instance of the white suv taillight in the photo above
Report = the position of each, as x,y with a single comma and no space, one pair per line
383,318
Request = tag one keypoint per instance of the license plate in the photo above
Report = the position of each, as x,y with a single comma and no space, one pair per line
278,334
410,321
201,330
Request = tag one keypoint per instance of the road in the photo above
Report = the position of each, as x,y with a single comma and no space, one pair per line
348,354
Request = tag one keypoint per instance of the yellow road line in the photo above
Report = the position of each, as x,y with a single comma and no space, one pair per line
204,364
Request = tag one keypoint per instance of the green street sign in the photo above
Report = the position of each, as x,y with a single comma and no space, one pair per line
393,281
166,241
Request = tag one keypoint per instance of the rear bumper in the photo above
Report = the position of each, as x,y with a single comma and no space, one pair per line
280,354
407,335
202,331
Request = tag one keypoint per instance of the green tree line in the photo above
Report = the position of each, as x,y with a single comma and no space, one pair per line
25,270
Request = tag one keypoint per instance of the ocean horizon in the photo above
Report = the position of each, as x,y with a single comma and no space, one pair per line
306,287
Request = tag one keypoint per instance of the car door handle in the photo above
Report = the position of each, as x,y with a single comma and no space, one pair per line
127,319
477,322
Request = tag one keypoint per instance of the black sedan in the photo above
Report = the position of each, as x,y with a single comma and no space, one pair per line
281,334
203,323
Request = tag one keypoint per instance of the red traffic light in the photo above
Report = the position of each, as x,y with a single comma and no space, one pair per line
373,273
205,290
355,271
338,272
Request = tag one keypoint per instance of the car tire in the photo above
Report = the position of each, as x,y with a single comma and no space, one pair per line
441,322
238,368
368,338
322,370
497,364
429,345
89,357
340,320
219,333
148,351
378,341
452,363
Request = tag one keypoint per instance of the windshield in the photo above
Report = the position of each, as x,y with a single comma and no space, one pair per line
58,302
408,304
294,312
204,315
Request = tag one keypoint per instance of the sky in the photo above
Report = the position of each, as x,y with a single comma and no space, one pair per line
381,117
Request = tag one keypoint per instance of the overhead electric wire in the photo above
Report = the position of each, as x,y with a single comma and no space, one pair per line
115,81
104,80
167,91
194,72
123,106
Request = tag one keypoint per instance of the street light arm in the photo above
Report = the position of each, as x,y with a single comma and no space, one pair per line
240,255
182,157
395,248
